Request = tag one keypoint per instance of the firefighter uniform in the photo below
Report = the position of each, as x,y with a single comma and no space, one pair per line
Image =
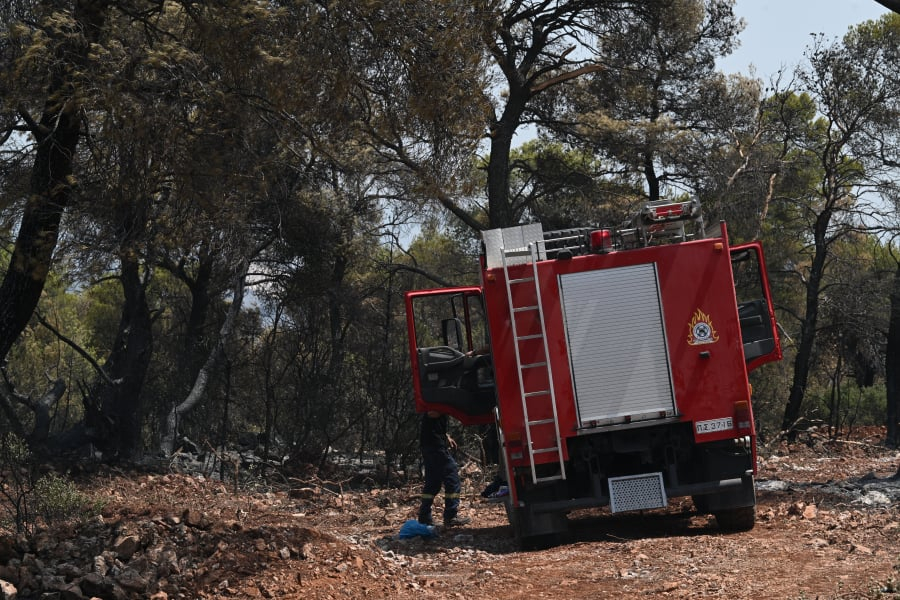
440,469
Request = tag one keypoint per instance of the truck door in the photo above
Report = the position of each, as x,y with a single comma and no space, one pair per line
755,310
447,329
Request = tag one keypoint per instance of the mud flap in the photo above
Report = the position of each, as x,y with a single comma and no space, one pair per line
737,497
534,530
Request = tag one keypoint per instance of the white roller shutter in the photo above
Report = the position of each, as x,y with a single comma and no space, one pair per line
617,344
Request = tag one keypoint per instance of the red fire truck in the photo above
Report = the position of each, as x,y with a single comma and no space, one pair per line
618,366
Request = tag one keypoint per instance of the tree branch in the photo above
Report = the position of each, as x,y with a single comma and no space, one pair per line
442,282
72,344
894,5
563,77
39,130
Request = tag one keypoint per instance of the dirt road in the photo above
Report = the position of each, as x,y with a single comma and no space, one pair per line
828,527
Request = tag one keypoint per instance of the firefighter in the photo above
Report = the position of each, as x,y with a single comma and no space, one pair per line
440,469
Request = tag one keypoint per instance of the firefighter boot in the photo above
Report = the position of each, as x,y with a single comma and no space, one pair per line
456,521
451,518
425,514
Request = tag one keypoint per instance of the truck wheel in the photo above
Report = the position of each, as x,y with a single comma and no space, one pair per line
736,519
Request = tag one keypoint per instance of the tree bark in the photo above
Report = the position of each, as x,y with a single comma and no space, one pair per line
803,359
529,67
114,409
500,209
894,5
170,426
892,365
190,354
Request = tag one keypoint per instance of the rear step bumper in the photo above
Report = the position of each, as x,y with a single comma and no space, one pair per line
691,489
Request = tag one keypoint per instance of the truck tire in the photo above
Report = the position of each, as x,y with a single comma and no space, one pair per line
736,519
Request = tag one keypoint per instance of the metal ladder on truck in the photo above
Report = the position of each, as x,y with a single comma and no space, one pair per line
540,397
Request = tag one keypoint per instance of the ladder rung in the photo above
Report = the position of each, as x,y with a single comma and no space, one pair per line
531,251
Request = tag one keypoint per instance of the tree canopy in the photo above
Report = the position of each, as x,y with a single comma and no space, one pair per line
211,210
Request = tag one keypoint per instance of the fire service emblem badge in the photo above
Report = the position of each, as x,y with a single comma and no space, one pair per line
701,330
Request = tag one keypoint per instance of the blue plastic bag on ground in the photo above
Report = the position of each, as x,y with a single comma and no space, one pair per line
413,528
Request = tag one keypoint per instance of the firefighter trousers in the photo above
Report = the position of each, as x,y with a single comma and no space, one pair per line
440,470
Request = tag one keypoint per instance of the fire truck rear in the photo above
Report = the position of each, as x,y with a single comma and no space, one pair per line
618,366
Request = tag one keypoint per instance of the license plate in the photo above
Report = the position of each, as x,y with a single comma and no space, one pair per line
714,425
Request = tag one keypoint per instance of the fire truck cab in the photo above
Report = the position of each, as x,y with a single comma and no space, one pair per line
618,366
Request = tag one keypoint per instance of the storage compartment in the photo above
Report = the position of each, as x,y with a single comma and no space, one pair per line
617,345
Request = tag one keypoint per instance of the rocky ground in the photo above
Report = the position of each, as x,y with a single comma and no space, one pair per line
828,527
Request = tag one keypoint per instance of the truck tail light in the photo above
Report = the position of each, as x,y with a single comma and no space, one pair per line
514,444
742,417
601,240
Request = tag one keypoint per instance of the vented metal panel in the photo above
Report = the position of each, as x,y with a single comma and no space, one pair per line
509,238
617,344
637,492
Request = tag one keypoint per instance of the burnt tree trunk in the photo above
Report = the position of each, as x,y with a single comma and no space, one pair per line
197,340
892,365
803,360
57,136
114,412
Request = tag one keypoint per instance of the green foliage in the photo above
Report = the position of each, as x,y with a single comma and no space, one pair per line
31,500
565,187
57,500
16,481
101,314
846,406
658,109
441,259
317,131
769,385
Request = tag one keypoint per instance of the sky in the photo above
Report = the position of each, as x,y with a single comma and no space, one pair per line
777,32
